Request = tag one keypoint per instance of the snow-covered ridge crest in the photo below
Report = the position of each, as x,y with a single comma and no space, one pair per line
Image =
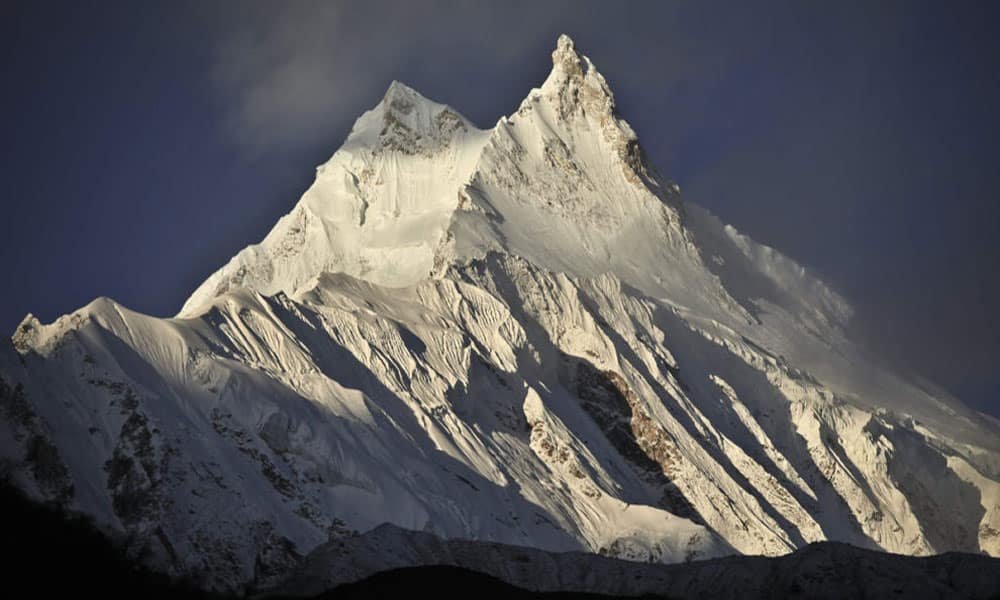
377,210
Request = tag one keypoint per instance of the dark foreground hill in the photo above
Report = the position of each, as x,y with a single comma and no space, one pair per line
53,555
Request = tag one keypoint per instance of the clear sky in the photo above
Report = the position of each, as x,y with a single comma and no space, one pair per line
146,143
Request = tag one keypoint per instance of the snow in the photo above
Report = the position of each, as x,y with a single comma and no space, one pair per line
377,210
521,335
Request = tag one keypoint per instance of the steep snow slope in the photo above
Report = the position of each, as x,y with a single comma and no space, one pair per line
344,407
519,335
377,210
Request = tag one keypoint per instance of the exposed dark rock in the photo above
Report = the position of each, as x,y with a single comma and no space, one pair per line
41,458
607,398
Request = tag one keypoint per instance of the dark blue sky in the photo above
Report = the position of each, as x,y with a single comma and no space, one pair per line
145,143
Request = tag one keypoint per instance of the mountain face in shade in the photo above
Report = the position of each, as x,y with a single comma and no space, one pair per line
520,335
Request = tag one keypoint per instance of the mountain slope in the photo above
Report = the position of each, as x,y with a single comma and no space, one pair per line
378,207
520,335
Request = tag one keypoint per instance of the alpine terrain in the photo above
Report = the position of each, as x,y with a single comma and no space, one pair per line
519,336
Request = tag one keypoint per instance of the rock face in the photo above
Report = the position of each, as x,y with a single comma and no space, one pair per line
518,335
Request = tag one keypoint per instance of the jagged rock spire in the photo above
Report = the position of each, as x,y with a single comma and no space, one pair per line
575,85
565,56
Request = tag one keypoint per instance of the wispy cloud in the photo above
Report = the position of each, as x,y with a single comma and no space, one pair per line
288,71
285,69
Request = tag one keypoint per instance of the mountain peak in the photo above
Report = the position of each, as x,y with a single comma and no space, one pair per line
565,55
575,91
400,92
404,105
407,121
574,84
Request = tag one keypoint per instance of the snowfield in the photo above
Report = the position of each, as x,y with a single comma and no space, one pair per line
520,335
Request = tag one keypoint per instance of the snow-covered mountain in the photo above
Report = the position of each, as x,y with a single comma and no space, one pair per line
520,335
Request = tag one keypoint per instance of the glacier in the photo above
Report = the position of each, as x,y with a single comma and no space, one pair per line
521,335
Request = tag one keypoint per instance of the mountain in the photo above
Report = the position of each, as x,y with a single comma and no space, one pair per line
521,335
